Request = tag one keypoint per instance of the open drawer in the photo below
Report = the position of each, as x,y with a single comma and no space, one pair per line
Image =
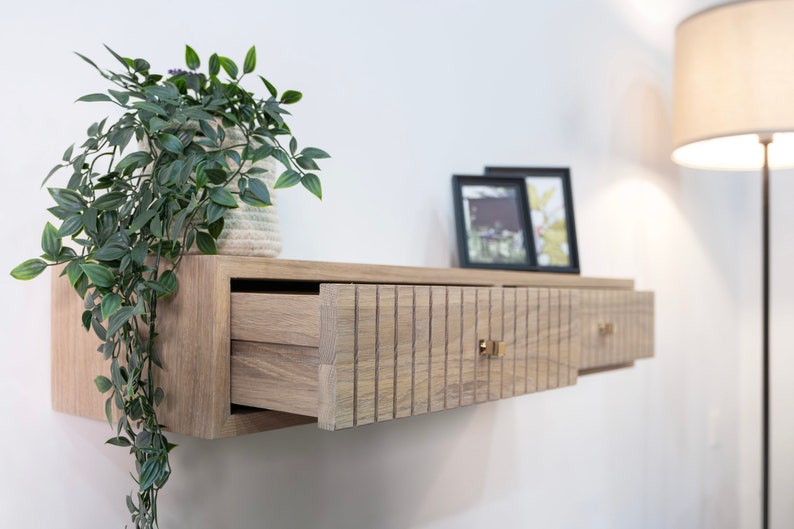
358,354
253,344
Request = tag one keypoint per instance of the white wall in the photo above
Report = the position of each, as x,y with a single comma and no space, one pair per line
404,94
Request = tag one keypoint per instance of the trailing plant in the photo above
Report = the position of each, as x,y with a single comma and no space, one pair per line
131,210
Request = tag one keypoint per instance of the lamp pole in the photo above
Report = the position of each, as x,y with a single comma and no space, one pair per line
765,141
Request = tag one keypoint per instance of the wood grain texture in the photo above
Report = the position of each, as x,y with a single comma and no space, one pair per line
454,347
276,318
366,353
404,361
533,341
543,347
565,340
630,314
337,352
554,339
387,351
437,374
509,336
521,315
324,272
496,326
275,377
469,348
401,341
574,335
75,360
482,327
421,385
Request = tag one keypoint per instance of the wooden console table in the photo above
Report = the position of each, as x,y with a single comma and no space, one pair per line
253,344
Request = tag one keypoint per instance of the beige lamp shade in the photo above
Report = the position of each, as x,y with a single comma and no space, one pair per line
734,83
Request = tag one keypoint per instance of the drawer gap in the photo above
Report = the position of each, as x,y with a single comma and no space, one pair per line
275,287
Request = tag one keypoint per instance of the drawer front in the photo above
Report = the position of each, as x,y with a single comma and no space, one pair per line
389,351
616,327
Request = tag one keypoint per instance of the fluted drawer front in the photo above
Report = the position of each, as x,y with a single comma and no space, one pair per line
616,327
392,351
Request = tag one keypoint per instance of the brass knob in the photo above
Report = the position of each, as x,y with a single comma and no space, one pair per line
493,348
606,328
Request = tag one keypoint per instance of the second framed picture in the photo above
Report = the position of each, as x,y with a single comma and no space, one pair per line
543,237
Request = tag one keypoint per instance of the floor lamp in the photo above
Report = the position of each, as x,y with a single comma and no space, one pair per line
733,109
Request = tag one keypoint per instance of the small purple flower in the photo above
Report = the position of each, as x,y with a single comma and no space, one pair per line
177,71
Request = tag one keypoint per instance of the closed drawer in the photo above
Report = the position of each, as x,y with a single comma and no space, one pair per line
358,354
616,327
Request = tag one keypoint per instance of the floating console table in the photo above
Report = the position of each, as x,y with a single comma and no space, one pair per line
253,344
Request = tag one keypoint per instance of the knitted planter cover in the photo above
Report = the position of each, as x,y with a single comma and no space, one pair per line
249,230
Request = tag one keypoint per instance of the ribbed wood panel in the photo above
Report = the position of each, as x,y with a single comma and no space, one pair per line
389,351
630,315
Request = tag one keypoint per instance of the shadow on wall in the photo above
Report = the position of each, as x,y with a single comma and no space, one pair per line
384,475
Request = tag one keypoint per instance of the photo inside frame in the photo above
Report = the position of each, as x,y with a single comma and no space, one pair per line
494,228
549,224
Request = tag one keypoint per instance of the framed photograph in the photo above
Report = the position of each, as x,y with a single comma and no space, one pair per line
493,222
550,203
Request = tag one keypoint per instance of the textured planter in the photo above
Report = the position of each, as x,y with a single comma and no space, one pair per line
249,230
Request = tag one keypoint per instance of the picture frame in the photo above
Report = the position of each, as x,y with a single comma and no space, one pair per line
492,217
550,210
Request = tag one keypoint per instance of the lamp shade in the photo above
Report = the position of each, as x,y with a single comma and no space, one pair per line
733,84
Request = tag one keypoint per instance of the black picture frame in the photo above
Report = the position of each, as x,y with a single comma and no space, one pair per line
549,261
499,237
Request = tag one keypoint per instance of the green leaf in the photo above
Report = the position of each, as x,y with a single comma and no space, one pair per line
288,178
110,304
151,471
156,124
215,65
134,160
215,212
191,58
98,274
314,153
282,157
67,155
94,97
73,272
312,182
259,190
270,87
103,384
223,197
217,176
121,97
291,96
306,163
228,66
206,243
159,395
171,143
50,242
72,225
112,251
249,65
29,269
148,106
119,318
293,145
119,441
141,220
69,200
110,200
168,282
